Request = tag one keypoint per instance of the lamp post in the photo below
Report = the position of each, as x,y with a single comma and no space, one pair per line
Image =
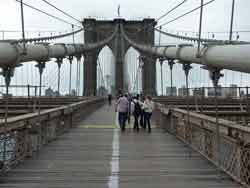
232,20
200,27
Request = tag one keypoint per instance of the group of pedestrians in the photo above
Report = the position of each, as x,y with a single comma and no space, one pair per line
140,107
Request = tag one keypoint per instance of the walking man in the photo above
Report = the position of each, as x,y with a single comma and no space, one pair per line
122,106
148,110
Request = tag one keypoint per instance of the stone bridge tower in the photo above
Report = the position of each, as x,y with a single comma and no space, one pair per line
140,31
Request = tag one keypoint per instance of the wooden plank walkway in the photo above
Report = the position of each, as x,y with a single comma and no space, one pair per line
97,155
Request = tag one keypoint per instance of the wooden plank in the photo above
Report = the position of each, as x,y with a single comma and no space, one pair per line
83,158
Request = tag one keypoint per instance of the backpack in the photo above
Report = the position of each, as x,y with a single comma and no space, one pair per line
137,108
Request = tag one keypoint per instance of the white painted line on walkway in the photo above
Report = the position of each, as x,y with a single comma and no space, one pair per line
114,163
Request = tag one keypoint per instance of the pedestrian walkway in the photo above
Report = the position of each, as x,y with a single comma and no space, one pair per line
97,155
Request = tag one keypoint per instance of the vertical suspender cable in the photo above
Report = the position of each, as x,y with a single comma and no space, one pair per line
79,71
76,75
70,74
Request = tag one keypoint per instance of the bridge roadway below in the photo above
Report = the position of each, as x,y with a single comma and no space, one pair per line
96,155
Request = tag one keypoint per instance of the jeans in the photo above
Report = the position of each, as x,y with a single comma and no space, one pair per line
147,117
142,120
136,123
122,117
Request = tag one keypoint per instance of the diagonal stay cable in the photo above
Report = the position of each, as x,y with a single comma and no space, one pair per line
171,10
65,13
189,12
50,15
164,15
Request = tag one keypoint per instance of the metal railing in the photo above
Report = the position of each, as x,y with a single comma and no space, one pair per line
233,102
25,135
199,132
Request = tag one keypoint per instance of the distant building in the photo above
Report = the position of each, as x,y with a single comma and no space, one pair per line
49,92
242,93
227,92
168,91
211,92
199,92
73,92
182,91
232,91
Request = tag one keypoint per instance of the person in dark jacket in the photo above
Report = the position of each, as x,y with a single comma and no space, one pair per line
142,124
137,108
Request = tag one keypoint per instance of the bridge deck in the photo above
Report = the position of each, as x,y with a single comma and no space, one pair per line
96,155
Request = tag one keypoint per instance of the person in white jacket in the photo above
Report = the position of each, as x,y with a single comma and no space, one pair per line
148,107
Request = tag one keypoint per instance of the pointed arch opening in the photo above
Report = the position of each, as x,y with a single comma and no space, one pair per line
132,71
105,72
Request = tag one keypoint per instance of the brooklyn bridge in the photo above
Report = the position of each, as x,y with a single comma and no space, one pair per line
57,129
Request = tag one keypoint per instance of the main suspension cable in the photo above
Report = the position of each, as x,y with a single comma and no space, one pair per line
195,39
189,12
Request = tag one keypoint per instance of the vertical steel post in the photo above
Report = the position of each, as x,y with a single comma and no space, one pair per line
70,73
248,111
35,91
77,76
40,66
59,63
7,73
23,30
232,21
215,76
171,64
28,88
187,67
200,28
161,63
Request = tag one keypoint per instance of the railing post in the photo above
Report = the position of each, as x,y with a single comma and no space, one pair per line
215,76
247,107
202,99
7,73
187,67
171,65
28,87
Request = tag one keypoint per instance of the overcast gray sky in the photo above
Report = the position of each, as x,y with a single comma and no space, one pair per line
216,15
216,18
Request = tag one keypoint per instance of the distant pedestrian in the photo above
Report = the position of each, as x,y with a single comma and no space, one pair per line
122,106
110,99
148,110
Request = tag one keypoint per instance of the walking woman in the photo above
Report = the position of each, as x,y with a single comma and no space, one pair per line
148,110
